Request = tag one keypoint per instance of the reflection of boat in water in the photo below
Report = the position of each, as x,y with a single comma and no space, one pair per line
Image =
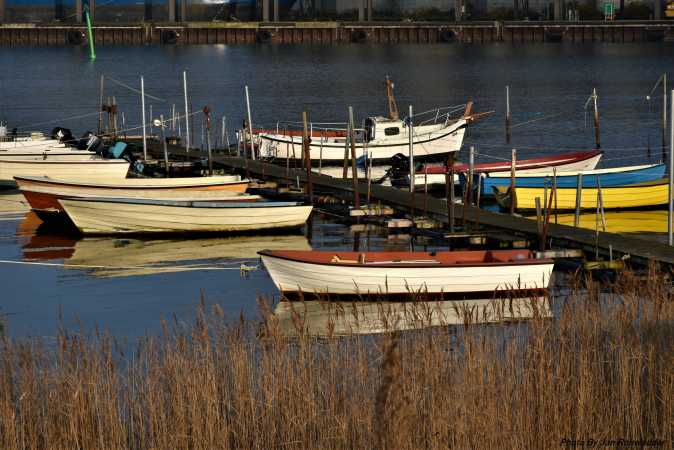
118,257
324,318
620,221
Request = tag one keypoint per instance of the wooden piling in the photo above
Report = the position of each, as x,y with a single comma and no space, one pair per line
207,119
164,143
579,194
513,190
597,138
354,174
554,189
539,219
345,168
100,102
508,117
306,153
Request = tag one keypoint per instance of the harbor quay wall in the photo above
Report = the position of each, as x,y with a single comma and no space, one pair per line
516,32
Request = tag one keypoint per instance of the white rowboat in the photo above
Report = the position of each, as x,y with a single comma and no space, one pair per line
105,169
112,216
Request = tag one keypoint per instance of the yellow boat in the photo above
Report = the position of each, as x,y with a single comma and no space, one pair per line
638,195
619,221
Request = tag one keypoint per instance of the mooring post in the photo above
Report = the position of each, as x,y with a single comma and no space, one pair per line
163,139
508,116
113,110
369,179
187,111
449,181
539,219
671,173
100,104
513,189
600,205
479,190
207,119
471,173
250,125
664,116
596,119
354,172
201,144
306,153
579,194
345,167
412,174
554,190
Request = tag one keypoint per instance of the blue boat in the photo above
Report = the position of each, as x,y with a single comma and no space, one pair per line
616,176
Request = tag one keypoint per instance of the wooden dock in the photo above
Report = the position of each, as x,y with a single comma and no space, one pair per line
328,33
640,250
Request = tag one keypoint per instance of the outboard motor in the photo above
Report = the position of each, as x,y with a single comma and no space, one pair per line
63,135
89,141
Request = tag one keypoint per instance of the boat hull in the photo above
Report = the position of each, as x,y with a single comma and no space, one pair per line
43,194
112,217
605,178
300,277
105,169
428,146
618,197
538,166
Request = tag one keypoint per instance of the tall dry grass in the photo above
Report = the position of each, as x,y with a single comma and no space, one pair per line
601,369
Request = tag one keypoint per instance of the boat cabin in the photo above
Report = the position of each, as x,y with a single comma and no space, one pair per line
380,128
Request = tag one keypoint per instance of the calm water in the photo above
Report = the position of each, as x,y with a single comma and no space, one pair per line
44,87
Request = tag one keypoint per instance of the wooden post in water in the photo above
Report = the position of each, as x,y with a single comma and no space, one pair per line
369,179
306,152
471,174
600,205
100,101
596,119
163,139
508,118
187,111
250,125
513,188
579,194
412,174
207,118
345,168
671,173
546,220
554,189
354,171
664,116
449,181
539,219
142,107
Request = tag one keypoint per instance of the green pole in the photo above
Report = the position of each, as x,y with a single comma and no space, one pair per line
90,32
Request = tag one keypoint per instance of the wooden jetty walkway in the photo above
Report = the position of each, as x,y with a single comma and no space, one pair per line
639,249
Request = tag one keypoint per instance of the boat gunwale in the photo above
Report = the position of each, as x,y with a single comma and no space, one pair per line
86,184
183,204
584,173
440,265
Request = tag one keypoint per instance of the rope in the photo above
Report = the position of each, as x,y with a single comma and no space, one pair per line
137,91
58,120
243,267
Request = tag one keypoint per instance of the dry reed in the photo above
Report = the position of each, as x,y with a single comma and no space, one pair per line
601,369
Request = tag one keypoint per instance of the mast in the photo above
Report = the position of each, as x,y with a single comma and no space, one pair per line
392,105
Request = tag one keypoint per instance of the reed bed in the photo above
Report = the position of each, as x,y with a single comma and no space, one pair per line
602,370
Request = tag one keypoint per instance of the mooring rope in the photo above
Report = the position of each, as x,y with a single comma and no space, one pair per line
242,267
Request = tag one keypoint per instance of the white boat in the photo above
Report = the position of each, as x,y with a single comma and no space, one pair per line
112,216
51,155
43,193
464,273
86,169
380,139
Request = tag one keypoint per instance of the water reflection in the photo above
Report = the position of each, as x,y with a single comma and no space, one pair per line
325,318
106,257
619,221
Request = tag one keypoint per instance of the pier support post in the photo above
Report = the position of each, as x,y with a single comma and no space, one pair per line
276,11
557,5
183,10
361,10
172,10
78,11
